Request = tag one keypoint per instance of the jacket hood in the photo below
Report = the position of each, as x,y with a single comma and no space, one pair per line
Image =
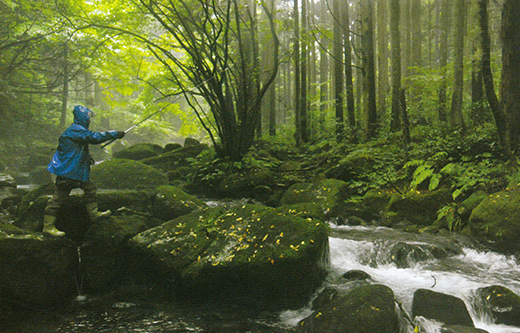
82,115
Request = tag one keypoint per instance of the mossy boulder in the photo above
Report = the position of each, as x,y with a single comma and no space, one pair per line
503,303
175,158
365,309
327,193
304,210
252,254
256,185
496,221
447,309
352,167
36,269
139,151
127,174
103,252
72,217
171,202
417,207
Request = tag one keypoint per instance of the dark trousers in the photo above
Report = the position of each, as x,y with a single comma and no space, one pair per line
62,189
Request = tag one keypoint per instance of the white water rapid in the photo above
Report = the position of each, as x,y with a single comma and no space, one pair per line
369,250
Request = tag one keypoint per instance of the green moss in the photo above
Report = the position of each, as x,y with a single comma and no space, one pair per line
327,193
496,221
139,151
127,174
171,202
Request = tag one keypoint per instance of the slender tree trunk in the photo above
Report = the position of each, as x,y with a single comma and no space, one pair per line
338,70
349,85
510,85
324,68
456,119
416,33
65,90
443,58
370,109
304,80
382,48
494,104
395,124
297,74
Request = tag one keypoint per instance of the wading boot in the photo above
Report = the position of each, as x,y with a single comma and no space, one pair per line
94,214
49,228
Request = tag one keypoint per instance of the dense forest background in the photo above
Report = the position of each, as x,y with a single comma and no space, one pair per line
435,79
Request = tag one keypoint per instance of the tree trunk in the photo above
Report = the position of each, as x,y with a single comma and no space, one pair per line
338,70
443,58
510,85
494,104
395,124
370,110
456,119
349,84
416,33
304,66
297,75
65,90
382,48
324,68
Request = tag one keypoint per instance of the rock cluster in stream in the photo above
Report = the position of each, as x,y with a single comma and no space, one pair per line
163,240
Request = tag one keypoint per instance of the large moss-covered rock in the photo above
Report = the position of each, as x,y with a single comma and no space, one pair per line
503,304
250,253
36,269
365,309
256,185
496,221
352,166
416,207
103,252
447,309
327,193
139,151
127,174
171,202
175,158
72,217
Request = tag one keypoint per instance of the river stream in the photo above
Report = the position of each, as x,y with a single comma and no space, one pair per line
351,248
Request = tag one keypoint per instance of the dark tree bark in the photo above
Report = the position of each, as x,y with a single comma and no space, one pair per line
349,84
65,89
395,39
443,58
304,59
494,103
370,109
324,67
297,75
510,85
338,71
456,117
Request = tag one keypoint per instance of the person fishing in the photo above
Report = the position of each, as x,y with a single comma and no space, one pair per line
71,164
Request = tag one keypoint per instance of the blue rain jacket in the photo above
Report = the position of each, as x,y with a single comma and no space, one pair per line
72,158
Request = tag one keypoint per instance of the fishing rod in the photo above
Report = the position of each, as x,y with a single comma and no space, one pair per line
160,110
134,126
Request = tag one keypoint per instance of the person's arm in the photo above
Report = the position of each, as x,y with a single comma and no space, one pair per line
90,137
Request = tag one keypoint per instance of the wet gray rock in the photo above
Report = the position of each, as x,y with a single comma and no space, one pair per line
366,309
447,309
36,269
503,304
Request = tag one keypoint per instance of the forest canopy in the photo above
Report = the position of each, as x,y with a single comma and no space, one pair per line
231,71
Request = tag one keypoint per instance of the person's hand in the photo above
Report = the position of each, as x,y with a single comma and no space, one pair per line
120,134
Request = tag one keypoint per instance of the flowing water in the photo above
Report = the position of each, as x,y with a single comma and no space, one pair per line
465,269
460,275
